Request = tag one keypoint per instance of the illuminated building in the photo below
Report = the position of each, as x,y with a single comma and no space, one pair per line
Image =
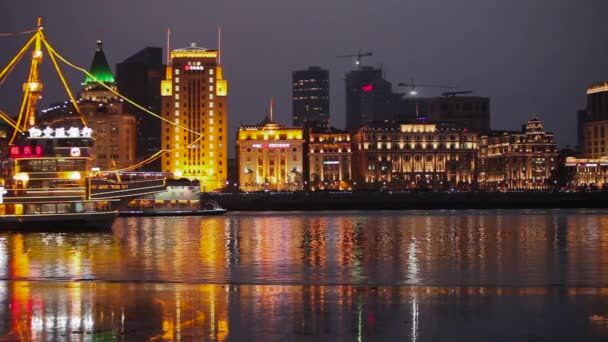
270,157
517,160
589,172
113,128
138,78
471,112
413,155
369,97
328,159
310,96
194,96
595,122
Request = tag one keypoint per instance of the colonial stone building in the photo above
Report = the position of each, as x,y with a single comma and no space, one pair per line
517,160
270,157
435,156
328,159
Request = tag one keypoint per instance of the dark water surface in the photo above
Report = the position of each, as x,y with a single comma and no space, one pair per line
309,276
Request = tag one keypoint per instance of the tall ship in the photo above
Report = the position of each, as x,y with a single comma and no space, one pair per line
47,175
46,183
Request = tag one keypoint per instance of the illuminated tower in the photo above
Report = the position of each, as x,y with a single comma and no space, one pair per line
114,129
194,95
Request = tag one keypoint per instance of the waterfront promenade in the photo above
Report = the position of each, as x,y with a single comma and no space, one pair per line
388,200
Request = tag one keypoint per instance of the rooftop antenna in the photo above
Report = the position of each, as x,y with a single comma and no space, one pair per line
271,109
219,45
168,46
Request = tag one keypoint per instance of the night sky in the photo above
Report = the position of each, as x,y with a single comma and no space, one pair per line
530,57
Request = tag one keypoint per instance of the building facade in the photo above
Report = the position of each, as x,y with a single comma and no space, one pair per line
310,97
469,112
138,78
194,99
369,97
517,160
328,159
114,128
589,173
594,122
270,157
413,155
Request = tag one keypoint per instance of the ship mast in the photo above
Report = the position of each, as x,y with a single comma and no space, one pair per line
32,90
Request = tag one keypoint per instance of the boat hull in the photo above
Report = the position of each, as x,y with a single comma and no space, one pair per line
59,222
211,212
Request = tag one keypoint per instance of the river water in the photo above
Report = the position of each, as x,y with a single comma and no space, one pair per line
307,276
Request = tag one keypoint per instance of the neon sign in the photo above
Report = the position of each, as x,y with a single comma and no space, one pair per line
16,152
60,132
368,88
2,193
194,66
331,162
271,145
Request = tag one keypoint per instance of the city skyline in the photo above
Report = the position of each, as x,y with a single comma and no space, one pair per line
529,59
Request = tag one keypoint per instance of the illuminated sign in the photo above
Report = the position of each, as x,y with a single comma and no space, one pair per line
17,152
60,132
331,162
2,193
367,88
74,152
194,66
271,145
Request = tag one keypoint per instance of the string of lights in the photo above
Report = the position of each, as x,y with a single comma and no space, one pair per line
64,60
12,34
65,83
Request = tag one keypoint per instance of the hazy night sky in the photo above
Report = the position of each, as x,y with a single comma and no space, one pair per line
527,56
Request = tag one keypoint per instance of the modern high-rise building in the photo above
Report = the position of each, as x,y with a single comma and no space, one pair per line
369,97
138,78
471,112
595,122
194,99
310,97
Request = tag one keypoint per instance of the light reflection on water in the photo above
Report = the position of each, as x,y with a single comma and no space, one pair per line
154,311
310,276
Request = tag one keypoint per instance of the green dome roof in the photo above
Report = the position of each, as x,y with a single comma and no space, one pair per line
99,67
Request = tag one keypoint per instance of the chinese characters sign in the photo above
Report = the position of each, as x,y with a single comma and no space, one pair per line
61,132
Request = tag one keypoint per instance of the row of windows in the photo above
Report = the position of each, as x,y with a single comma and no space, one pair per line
420,137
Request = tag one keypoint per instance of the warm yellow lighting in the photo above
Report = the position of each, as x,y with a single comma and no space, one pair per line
193,54
178,173
165,88
37,54
21,176
74,175
33,86
597,88
221,88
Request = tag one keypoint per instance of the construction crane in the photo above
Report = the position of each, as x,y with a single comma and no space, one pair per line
358,55
454,93
413,86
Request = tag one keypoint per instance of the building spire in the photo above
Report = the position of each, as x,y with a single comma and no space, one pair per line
271,109
168,46
100,67
219,45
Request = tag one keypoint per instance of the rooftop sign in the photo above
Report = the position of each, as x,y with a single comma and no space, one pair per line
61,132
